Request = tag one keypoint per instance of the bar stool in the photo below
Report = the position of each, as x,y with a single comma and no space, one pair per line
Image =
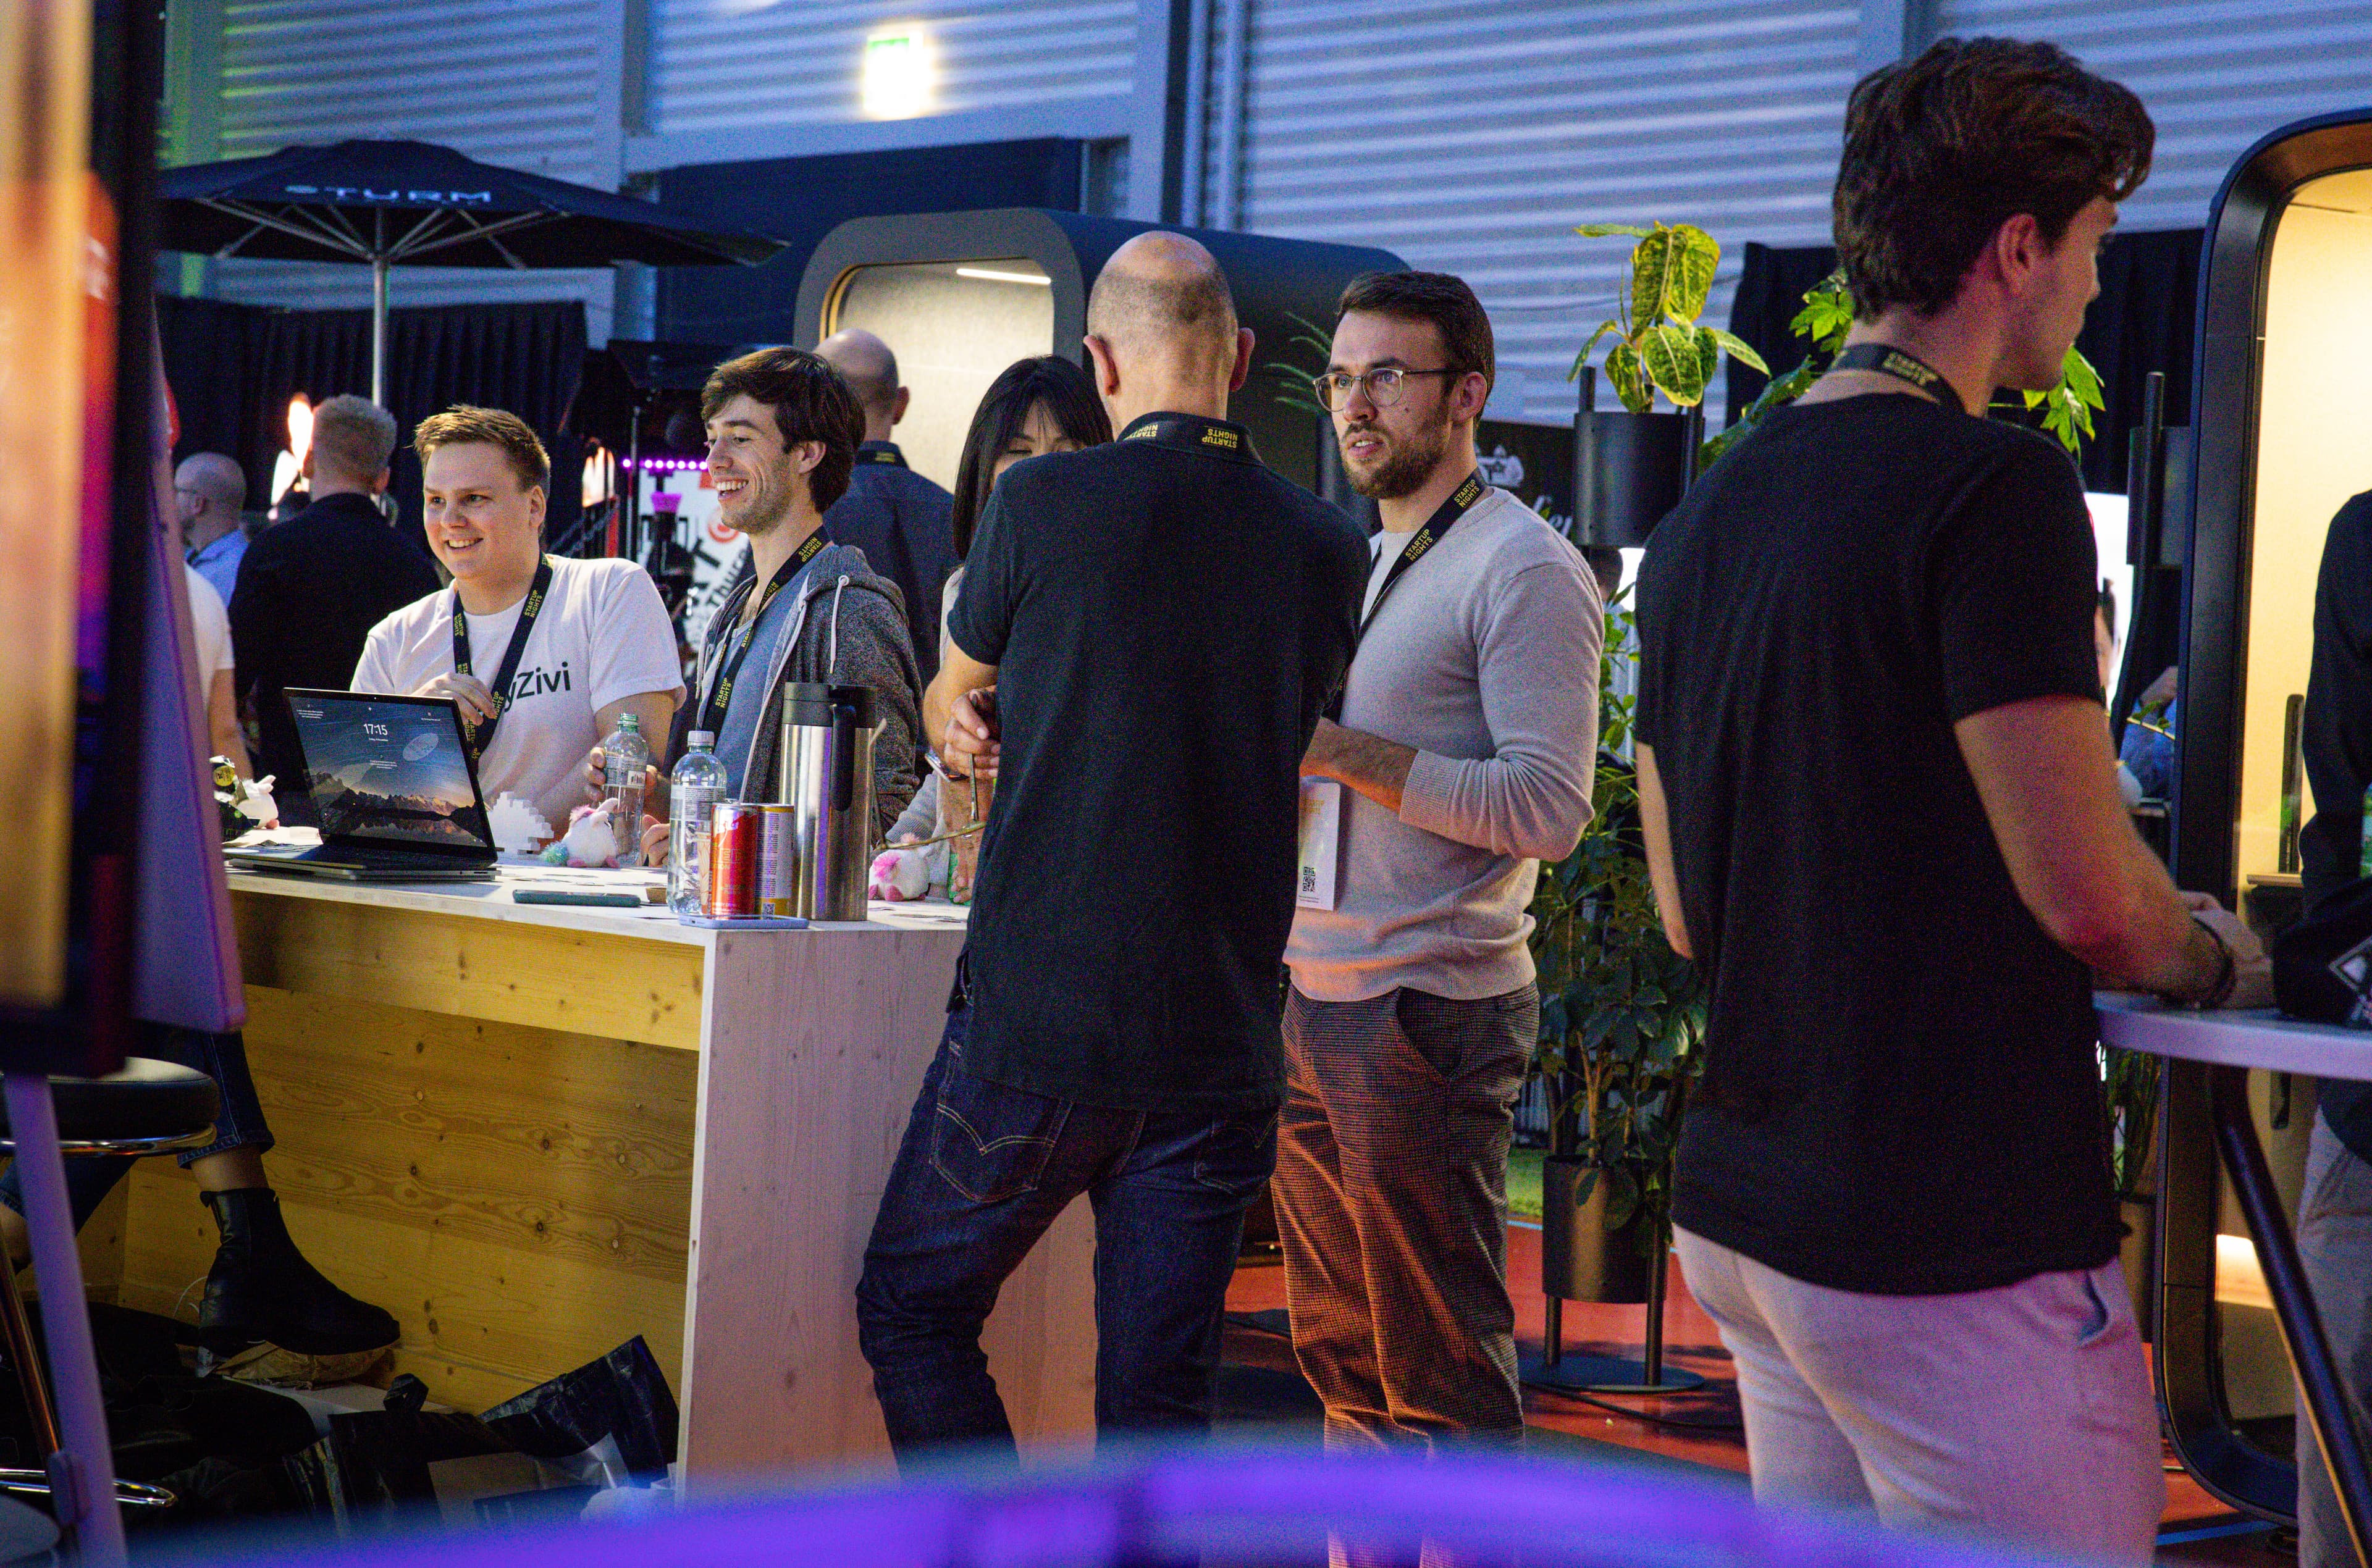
149,1107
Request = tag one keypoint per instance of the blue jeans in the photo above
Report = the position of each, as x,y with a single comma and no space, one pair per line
239,1123
983,1170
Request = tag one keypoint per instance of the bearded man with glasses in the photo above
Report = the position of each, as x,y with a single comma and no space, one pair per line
1463,744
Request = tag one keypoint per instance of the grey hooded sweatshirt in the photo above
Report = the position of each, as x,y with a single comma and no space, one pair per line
848,628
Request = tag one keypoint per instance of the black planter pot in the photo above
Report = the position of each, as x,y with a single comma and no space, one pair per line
1580,1258
1629,470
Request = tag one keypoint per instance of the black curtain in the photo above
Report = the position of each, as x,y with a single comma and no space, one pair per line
234,368
2142,321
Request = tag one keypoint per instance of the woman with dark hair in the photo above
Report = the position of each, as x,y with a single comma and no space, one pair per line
1034,406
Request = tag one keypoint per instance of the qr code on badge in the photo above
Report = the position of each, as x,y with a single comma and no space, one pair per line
1309,878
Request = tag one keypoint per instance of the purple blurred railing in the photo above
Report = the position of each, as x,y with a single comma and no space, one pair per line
1245,1508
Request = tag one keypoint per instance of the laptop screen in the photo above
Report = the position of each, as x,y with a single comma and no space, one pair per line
389,769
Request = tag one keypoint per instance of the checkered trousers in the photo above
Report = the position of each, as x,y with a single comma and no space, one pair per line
1392,1202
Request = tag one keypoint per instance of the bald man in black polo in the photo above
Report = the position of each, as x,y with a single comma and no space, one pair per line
1146,635
899,519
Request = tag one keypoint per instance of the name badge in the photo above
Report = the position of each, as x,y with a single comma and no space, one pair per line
1322,844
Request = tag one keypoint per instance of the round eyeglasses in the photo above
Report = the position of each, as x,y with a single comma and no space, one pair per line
1383,387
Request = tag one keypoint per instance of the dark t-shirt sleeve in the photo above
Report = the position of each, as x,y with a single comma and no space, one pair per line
983,617
2013,571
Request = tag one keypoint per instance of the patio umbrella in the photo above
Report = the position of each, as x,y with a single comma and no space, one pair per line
391,203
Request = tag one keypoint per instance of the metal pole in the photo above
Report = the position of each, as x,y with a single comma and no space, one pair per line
1653,1354
378,330
82,1474
2326,1396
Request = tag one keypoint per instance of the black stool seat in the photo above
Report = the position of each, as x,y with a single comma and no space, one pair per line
146,1100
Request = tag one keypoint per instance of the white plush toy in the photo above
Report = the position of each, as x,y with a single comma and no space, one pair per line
900,876
255,802
519,828
591,840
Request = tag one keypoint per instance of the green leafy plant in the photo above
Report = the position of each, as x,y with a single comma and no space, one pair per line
1621,1014
1828,316
1658,346
1311,346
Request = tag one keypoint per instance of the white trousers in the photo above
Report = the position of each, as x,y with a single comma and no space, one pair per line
2023,1413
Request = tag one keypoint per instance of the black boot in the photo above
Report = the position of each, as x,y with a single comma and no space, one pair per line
261,1290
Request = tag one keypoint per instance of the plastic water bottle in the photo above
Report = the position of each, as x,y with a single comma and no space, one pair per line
624,758
697,783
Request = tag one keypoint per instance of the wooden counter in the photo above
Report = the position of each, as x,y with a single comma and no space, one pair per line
533,1131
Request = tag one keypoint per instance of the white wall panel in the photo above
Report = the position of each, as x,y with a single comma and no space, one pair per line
1472,135
731,65
2217,75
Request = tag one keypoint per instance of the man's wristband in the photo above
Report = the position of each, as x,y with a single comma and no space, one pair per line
2227,974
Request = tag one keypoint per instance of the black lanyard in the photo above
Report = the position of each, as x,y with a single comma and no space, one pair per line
1192,433
711,716
483,735
1889,361
1445,518
884,454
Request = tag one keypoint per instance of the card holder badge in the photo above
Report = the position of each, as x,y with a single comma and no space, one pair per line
1318,884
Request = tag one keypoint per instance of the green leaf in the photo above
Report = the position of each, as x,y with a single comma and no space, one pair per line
1601,230
1739,350
1582,358
1670,357
1708,353
1628,377
1671,274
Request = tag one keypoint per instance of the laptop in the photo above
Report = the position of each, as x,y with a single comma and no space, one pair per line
395,789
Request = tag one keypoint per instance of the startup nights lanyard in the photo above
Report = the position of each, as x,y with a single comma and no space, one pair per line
885,455
483,735
711,716
1445,518
1887,361
1192,433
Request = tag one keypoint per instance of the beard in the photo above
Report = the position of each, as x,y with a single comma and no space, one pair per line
1408,462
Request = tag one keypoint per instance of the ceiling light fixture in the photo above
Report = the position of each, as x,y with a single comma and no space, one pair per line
994,276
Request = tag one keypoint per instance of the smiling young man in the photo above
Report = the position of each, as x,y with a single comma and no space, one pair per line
782,430
543,654
1466,738
1881,814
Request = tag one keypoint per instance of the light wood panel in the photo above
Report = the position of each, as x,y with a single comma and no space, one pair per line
617,987
817,1048
518,1197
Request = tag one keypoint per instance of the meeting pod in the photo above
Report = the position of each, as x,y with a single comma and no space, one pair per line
2283,390
963,294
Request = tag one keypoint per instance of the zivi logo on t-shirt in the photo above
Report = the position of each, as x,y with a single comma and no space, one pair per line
539,682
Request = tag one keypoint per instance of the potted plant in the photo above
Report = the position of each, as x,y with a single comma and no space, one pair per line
1622,1014
1632,467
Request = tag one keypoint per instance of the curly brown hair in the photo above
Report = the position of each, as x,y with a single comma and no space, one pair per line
811,402
463,425
1941,150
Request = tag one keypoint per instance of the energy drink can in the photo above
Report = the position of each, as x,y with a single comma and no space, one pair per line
778,861
735,830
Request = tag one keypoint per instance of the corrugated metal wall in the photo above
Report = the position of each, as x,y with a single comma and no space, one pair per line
2215,74
515,83
1471,135
720,64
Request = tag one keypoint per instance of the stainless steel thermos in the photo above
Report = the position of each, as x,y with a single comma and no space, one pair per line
826,778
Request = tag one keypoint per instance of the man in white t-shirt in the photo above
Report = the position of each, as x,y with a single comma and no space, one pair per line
210,620
599,644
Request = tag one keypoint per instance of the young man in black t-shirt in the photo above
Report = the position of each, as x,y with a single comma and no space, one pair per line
1161,621
1881,812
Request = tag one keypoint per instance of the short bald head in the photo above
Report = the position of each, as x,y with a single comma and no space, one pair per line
1162,330
865,363
1162,296
209,492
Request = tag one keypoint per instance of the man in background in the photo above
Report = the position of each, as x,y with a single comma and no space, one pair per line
894,514
312,587
2334,1232
1146,635
1467,733
209,496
